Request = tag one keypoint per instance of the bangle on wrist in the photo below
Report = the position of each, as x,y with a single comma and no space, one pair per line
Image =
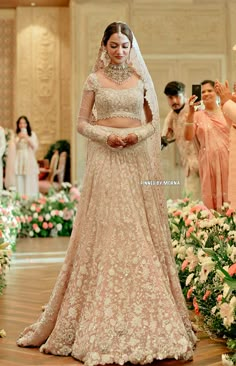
189,123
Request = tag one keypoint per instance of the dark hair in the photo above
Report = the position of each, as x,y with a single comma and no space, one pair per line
117,27
174,88
211,82
28,128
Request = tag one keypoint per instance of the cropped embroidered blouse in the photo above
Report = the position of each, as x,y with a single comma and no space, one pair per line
109,102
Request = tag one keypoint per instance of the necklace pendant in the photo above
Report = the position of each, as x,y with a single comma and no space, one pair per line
118,73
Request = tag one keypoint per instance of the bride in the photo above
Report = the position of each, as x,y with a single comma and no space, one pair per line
117,298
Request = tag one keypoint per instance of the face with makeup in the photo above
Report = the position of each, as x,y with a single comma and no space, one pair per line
118,48
209,96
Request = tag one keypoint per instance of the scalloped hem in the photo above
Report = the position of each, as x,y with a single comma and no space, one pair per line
141,358
94,359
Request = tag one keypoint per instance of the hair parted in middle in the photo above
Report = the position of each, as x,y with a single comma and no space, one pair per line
117,27
28,127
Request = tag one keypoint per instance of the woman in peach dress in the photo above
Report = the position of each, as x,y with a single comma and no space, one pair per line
228,102
117,298
210,129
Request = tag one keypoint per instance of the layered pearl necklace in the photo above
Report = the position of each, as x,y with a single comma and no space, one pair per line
118,73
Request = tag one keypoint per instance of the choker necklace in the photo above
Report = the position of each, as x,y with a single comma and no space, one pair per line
118,73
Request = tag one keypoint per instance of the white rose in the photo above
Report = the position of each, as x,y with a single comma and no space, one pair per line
59,227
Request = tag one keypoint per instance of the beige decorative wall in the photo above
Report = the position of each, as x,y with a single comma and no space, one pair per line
7,50
42,83
184,40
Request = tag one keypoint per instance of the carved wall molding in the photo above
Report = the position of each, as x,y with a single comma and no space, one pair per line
7,62
42,73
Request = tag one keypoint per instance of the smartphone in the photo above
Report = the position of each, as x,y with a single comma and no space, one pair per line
197,90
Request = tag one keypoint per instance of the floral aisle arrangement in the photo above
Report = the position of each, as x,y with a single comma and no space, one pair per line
204,245
51,215
9,229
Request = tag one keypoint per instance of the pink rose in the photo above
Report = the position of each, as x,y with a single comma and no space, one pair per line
232,270
190,230
188,222
177,213
184,264
229,212
45,225
35,226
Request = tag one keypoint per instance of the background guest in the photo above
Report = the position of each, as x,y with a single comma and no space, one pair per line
174,126
26,167
211,132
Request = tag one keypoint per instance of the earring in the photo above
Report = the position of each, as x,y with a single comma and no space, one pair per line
105,57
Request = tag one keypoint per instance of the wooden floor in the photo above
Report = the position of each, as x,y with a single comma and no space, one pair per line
34,268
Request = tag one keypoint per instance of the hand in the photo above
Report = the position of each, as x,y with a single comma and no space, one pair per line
170,133
22,135
223,91
192,103
130,139
115,141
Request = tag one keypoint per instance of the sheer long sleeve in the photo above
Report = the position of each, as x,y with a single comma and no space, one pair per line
145,131
84,126
33,142
149,128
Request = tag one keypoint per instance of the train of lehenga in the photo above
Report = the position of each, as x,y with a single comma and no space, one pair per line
117,297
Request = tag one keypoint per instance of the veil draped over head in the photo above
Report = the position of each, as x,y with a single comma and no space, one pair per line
137,62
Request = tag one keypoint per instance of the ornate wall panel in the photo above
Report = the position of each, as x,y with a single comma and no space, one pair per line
43,72
65,74
174,27
7,57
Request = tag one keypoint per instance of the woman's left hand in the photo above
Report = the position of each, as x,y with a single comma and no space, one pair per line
130,139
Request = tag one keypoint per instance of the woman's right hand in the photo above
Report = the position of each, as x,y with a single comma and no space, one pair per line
22,135
115,141
192,103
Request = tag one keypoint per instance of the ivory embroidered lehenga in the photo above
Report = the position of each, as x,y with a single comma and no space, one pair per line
117,297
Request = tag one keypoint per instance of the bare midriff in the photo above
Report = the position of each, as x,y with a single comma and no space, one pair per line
119,122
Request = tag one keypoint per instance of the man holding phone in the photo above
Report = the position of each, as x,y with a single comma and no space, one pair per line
174,125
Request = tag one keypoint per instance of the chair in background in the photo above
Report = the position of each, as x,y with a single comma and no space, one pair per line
45,184
58,173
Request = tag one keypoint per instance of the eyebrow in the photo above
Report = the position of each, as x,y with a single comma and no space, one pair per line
118,43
